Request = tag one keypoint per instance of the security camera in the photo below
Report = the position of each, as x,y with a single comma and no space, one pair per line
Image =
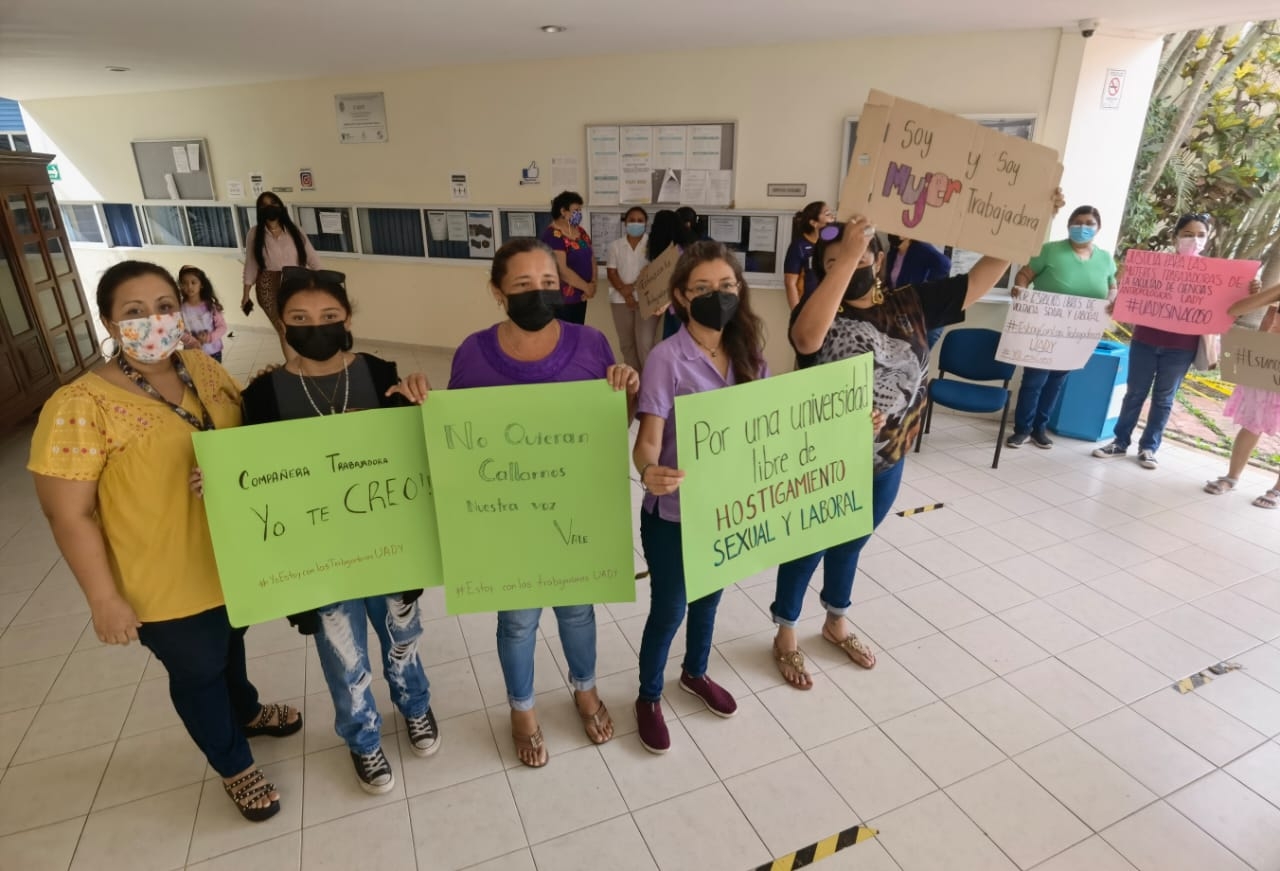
1089,26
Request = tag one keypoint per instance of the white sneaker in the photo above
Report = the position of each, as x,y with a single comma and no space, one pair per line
1147,460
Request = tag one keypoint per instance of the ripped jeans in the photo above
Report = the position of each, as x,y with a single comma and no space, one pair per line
343,645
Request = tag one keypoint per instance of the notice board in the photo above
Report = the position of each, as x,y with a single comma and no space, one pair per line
173,169
669,164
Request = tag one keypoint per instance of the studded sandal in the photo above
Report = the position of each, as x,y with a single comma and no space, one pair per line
273,720
247,790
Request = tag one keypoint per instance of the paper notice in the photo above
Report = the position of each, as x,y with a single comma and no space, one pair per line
307,222
193,156
670,191
703,151
636,140
720,187
235,189
480,234
763,234
606,228
603,146
256,185
436,226
180,161
636,180
694,187
564,173
725,228
331,222
522,224
669,147
171,186
456,226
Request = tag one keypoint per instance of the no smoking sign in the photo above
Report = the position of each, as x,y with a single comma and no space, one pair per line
1112,89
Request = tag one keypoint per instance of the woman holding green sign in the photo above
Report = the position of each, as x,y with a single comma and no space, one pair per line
532,347
850,314
111,458
720,343
324,378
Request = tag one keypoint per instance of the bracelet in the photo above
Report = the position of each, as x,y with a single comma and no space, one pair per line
644,469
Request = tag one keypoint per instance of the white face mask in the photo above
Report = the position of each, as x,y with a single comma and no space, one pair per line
1190,246
151,339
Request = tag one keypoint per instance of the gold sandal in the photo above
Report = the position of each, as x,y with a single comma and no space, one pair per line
855,649
791,667
531,744
597,725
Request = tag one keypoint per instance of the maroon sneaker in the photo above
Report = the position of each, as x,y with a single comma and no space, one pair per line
714,696
653,727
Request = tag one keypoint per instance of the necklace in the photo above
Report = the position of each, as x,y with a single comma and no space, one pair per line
343,380
714,352
204,423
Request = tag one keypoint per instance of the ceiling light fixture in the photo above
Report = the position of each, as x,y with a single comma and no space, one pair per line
117,69
553,28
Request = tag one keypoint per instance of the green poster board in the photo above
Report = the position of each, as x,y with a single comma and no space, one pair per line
774,470
309,512
532,494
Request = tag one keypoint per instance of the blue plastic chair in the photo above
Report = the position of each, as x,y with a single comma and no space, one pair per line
971,354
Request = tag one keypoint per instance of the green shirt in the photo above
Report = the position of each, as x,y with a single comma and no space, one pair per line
1058,270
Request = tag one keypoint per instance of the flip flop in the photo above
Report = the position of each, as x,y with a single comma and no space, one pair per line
791,667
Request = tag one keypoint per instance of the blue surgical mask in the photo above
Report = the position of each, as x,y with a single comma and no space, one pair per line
1082,233
634,229
575,218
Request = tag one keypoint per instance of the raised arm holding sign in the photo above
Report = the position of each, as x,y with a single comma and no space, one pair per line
653,286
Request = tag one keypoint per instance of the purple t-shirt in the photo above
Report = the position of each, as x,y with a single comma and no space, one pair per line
582,354
578,256
676,367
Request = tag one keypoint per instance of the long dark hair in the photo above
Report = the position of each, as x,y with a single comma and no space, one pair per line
260,237
743,337
806,216
128,270
207,296
502,258
664,230
688,232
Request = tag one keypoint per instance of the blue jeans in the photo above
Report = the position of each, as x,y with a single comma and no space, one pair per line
208,684
343,645
841,561
667,605
518,639
1159,371
1036,398
934,335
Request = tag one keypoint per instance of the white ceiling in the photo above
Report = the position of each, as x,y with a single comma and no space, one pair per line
60,48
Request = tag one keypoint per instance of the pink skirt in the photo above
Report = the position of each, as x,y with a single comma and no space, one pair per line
1255,410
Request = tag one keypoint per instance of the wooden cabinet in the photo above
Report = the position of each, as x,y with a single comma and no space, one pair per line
46,329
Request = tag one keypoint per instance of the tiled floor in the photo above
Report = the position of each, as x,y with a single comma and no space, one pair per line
1020,716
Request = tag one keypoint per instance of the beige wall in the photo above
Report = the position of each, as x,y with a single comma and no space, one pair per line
490,120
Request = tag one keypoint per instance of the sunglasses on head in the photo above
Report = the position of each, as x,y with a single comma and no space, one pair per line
320,276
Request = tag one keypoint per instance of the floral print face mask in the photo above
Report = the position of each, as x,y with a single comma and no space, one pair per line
151,339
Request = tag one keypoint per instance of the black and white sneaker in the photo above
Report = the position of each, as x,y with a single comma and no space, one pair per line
1110,451
1041,439
424,735
374,772
1017,440
1147,460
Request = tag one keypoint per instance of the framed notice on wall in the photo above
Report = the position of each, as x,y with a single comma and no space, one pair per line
668,164
361,118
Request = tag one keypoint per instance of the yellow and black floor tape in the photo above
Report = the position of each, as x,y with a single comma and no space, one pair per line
921,510
1187,684
806,856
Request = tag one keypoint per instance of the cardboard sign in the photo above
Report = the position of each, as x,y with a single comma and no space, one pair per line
1251,358
929,175
533,495
774,469
305,513
1178,294
1055,331
653,285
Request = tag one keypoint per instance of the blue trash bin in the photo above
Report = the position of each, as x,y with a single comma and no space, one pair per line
1091,397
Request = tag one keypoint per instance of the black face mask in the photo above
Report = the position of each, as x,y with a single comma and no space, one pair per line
864,278
714,310
533,309
270,213
318,343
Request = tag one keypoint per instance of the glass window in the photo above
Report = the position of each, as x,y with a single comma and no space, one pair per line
328,227
62,352
61,263
36,270
753,238
391,232
122,223
86,341
454,234
15,313
21,142
81,221
49,311
165,225
246,216
212,227
527,222
70,296
21,214
44,211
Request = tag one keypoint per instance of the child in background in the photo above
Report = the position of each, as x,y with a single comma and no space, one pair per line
201,312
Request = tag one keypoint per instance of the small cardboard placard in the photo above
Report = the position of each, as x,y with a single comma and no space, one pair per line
1251,358
653,285
937,177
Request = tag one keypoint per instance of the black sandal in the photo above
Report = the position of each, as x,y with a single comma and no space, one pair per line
273,720
246,790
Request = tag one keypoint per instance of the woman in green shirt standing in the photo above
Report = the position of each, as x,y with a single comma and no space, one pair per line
1073,266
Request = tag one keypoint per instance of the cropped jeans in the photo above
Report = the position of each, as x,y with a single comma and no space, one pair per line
518,640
